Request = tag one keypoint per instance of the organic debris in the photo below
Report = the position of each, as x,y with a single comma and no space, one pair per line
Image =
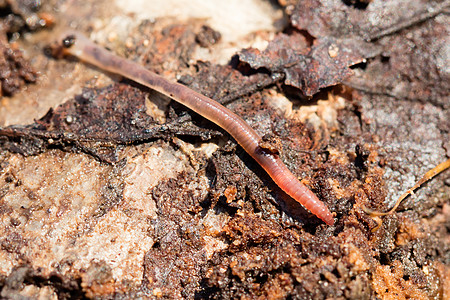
98,122
181,211
325,63
17,17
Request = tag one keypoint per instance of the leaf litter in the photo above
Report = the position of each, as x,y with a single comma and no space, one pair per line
243,238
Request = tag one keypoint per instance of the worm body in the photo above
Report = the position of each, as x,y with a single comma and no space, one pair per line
77,45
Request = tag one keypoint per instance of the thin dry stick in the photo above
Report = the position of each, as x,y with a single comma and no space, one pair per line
428,14
428,175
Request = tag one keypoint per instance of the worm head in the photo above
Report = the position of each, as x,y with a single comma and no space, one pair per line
59,48
68,41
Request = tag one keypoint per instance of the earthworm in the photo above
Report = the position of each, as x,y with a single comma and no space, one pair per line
75,44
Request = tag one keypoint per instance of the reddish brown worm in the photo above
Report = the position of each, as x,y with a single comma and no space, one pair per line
75,44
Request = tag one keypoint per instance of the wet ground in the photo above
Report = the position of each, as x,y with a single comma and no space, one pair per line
111,190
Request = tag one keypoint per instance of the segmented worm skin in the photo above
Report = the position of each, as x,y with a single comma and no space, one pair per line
77,45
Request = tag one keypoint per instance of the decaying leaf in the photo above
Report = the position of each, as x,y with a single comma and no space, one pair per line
96,122
324,64
342,31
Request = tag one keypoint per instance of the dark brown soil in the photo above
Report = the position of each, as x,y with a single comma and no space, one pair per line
379,96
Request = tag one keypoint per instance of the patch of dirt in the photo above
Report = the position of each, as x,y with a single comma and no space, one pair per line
120,192
15,69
